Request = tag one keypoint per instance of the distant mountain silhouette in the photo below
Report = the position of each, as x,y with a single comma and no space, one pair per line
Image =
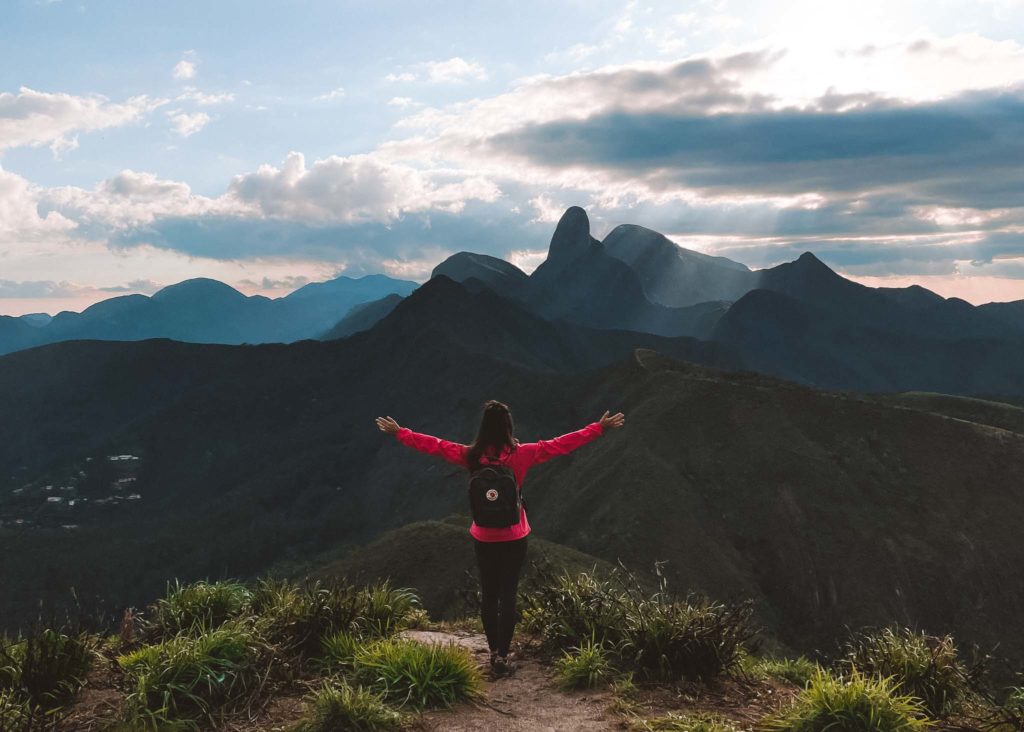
674,276
581,283
799,320
203,310
362,317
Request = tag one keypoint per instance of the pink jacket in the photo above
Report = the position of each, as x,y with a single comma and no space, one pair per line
520,459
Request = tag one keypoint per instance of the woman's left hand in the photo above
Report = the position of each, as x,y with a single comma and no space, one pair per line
386,424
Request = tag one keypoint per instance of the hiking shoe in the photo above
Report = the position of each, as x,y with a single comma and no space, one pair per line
503,666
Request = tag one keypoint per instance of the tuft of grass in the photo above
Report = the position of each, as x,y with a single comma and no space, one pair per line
673,722
385,610
418,675
338,653
47,667
197,607
853,703
184,680
794,670
296,617
924,666
344,707
657,635
584,667
16,712
299,617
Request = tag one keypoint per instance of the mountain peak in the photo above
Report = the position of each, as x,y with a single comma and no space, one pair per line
572,236
197,287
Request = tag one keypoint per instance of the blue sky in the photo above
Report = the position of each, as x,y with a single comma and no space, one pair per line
270,144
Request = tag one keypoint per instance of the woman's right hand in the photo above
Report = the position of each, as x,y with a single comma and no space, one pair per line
616,420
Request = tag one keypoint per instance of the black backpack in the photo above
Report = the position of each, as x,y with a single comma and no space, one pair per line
494,498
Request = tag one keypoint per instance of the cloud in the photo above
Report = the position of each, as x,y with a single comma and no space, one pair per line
20,219
184,70
187,124
925,152
33,118
145,287
453,70
354,189
293,282
39,288
205,99
330,96
402,102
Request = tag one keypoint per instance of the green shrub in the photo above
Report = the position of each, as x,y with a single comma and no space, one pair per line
297,617
584,667
47,667
673,722
344,707
384,610
197,607
338,652
794,670
659,636
923,666
188,677
16,712
854,703
418,674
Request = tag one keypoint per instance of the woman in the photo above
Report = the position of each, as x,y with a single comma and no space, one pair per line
500,551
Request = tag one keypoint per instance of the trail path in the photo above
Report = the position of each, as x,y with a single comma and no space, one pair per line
528,700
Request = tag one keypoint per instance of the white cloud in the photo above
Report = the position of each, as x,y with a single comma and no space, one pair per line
32,118
402,102
187,123
132,199
354,189
184,70
455,69
331,95
20,221
204,99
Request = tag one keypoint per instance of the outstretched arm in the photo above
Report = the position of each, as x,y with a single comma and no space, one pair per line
453,452
543,450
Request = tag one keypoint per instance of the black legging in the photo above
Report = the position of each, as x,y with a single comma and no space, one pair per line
500,563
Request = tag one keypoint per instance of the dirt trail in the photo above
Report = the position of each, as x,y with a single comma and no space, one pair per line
527,700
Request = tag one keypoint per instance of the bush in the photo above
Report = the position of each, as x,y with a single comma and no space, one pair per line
16,712
584,667
47,667
923,666
661,637
343,707
338,652
855,703
297,617
418,674
384,610
185,679
673,722
196,608
794,670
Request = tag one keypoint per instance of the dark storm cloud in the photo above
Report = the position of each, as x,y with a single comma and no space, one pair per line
965,151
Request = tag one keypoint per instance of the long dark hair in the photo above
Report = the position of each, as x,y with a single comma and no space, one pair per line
496,430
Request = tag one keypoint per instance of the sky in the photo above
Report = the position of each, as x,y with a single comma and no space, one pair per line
270,144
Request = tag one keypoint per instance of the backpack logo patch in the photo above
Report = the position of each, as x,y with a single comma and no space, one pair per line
492,495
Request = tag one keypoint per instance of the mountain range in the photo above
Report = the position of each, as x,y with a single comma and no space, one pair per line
205,311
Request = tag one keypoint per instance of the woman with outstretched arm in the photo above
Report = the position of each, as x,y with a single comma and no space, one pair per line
500,551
